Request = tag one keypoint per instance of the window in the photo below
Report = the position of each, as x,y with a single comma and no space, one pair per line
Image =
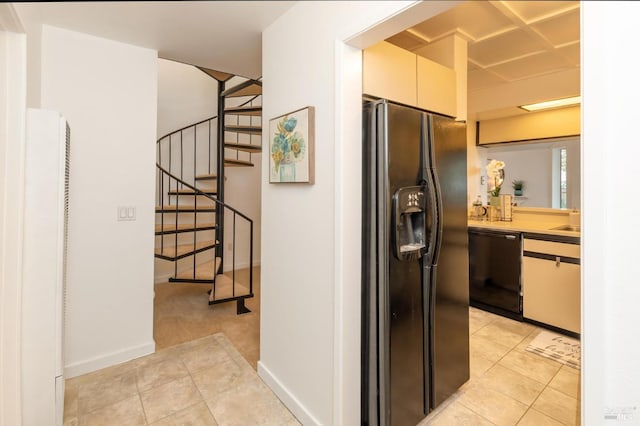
563,178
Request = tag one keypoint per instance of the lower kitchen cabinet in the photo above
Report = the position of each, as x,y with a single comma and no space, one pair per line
551,283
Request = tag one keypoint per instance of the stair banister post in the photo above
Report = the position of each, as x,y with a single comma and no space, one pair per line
220,180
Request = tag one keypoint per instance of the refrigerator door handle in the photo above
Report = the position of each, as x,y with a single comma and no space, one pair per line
436,192
427,178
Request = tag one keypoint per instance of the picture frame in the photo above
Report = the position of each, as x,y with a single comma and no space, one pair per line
291,147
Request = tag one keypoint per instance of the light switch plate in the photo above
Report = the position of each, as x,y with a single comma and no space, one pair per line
126,213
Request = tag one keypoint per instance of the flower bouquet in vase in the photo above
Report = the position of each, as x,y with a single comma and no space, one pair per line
495,176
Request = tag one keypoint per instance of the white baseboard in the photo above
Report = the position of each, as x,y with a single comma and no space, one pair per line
107,360
288,399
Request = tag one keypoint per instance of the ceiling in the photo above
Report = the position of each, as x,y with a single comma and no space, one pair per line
518,51
512,45
224,35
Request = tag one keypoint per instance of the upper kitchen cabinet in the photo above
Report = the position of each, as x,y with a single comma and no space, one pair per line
555,123
396,74
436,87
389,72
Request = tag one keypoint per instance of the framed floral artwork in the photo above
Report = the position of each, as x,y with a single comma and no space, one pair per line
291,150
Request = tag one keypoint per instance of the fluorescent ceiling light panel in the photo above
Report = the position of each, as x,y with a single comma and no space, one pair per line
556,103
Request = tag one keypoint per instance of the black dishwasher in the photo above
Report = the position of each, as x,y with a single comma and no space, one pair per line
494,272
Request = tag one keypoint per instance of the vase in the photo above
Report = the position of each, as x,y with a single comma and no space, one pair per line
287,172
517,192
494,201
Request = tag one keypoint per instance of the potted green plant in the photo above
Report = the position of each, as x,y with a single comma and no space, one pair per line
518,186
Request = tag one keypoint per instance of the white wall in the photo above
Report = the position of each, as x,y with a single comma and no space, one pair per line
610,268
12,145
534,169
310,323
186,95
107,92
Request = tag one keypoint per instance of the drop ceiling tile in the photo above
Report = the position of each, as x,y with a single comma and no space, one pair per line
533,10
477,19
571,53
406,41
480,79
471,66
504,47
560,30
530,66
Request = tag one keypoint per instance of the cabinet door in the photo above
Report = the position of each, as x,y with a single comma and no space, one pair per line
551,292
436,87
389,72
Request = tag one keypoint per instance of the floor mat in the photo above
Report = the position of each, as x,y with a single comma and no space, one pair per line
563,349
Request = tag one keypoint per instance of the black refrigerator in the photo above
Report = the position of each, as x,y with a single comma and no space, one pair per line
415,275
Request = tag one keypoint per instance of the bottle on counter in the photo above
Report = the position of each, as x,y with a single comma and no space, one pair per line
479,211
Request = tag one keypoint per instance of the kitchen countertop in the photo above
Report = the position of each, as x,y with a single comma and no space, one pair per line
537,227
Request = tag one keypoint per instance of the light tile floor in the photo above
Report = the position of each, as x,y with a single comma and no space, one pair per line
202,382
208,382
508,385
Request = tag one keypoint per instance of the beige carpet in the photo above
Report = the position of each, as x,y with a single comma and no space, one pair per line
182,313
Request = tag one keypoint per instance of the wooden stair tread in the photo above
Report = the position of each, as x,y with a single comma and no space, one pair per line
192,192
218,75
237,163
209,176
248,88
185,208
183,227
243,147
204,271
224,288
255,111
224,283
182,249
252,130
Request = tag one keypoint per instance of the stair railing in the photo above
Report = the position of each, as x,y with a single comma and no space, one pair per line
164,186
173,152
235,215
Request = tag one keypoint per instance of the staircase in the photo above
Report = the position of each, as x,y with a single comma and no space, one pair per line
192,218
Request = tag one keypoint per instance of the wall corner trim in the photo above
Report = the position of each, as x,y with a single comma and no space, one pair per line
9,20
288,399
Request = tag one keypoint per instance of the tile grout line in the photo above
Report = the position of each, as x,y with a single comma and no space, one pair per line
144,412
513,348
202,396
550,387
546,385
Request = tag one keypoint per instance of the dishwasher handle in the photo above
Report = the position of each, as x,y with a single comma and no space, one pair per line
495,234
